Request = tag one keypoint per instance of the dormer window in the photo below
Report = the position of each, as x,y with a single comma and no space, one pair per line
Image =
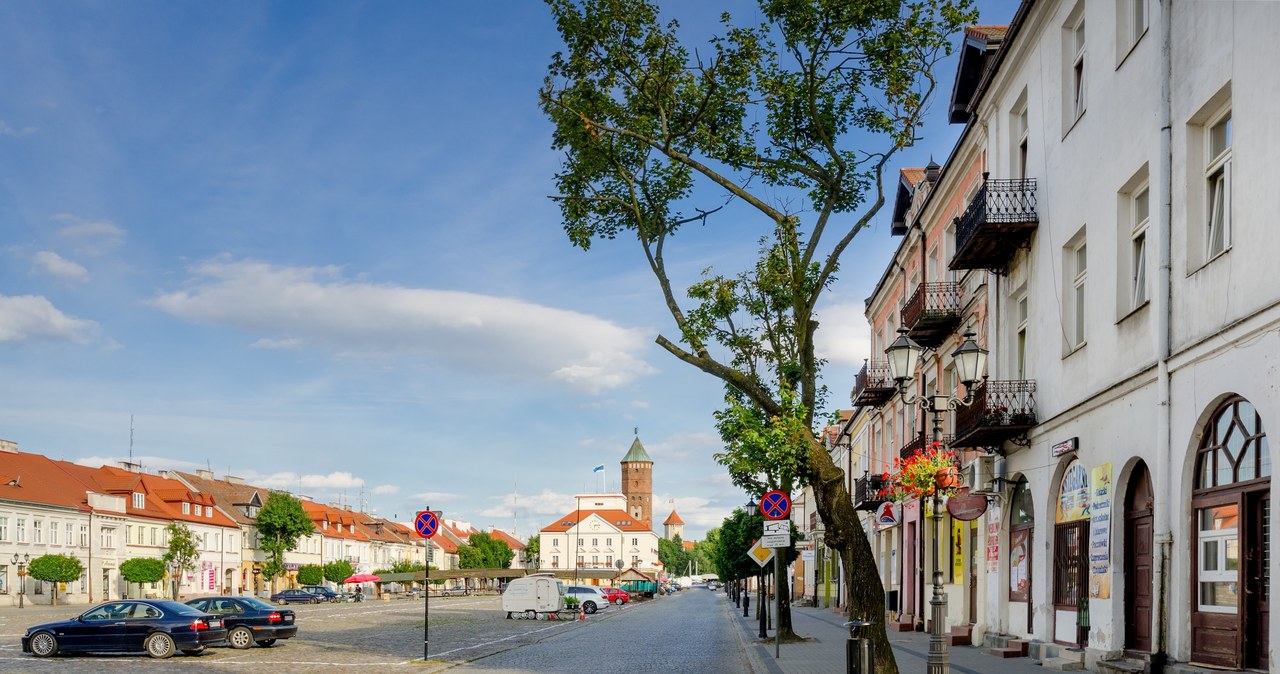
139,500
186,508
325,524
208,511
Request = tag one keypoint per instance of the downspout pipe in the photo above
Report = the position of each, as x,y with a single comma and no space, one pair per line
1164,322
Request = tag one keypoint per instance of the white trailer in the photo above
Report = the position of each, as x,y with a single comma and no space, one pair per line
537,595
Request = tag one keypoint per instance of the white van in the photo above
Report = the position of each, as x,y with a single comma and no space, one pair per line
534,596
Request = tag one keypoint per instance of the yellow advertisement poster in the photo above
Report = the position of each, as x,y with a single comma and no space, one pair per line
957,550
1074,494
1100,533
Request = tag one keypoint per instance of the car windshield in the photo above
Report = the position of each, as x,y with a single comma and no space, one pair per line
179,609
257,603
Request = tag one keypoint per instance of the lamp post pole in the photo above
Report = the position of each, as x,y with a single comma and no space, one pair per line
22,577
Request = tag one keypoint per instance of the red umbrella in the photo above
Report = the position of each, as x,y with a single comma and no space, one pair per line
363,578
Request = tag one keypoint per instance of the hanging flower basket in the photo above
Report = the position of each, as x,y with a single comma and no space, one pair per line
924,473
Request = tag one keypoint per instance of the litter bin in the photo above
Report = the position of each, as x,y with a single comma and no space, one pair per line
860,657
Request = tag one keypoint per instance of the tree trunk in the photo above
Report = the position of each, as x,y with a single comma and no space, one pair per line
844,534
53,596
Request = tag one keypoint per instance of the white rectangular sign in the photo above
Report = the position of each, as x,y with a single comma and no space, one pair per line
777,534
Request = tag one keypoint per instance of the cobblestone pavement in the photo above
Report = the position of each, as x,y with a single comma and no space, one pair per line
388,635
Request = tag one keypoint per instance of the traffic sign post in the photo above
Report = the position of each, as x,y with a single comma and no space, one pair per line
776,505
777,534
426,523
760,554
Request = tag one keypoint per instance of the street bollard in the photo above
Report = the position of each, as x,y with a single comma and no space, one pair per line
860,656
746,603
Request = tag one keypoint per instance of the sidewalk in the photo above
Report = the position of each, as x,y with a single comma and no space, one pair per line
825,653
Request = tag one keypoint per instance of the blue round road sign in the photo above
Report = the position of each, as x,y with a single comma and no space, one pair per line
775,505
426,524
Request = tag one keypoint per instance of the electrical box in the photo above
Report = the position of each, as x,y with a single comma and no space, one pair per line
979,475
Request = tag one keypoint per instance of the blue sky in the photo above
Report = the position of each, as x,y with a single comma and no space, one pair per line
309,244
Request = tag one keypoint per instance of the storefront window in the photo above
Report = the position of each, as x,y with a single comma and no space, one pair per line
1021,527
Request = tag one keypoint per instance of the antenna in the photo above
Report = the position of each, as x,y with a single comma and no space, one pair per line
130,438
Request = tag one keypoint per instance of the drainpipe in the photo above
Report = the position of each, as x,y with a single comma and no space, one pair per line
1163,311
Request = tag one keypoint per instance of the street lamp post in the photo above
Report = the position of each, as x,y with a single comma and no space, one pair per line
21,563
970,359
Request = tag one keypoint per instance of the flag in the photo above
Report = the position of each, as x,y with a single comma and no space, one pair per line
598,469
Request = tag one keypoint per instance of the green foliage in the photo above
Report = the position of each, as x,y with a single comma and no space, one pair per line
182,553
281,523
142,570
400,566
484,552
674,558
739,531
338,571
55,568
762,452
571,602
533,551
311,574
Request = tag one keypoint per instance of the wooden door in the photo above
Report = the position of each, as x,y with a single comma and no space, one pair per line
1138,562
1257,611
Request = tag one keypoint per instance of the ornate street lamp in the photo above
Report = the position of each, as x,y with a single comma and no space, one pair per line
22,580
970,361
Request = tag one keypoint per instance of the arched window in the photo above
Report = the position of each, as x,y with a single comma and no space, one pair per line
1233,447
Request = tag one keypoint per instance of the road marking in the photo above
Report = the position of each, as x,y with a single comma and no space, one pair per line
508,638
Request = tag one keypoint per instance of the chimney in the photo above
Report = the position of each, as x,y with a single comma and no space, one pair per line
233,479
8,446
932,171
131,467
204,474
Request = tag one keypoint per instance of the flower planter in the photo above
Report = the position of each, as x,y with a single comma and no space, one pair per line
948,478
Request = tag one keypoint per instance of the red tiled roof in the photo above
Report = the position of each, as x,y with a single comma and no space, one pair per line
618,518
340,519
988,33
673,518
688,545
36,478
511,541
445,544
913,176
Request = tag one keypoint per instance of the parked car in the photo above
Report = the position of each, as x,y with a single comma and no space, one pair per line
157,627
295,596
325,593
591,598
713,585
249,620
616,595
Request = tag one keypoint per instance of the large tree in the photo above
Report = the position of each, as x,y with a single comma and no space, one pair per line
281,523
182,553
54,569
795,121
142,570
483,551
533,552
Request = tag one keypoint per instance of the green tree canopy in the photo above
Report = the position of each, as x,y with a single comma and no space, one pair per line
483,551
674,558
281,523
737,534
533,551
338,571
789,128
311,574
55,569
142,570
182,553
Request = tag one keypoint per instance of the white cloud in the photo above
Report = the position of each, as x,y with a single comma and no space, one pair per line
384,489
681,446
469,331
150,464
58,267
264,343
844,339
640,404
29,317
88,236
290,480
6,130
546,502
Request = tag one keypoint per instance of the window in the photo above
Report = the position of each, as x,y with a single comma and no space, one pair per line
1131,25
139,500
69,539
108,538
1077,68
128,533
186,508
84,535
1219,558
37,531
1075,267
53,533
22,530
153,535
1073,72
1019,135
4,528
1138,248
1218,178
142,532
555,560
1021,342
608,541
595,542
635,541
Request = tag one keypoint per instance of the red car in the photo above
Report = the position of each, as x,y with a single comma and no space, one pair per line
616,595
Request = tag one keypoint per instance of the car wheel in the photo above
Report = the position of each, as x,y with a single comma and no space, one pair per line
531,614
43,644
159,645
618,601
589,607
266,642
240,638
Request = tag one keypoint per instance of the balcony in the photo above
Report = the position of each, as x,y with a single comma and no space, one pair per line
873,387
1001,411
932,313
919,441
999,220
866,492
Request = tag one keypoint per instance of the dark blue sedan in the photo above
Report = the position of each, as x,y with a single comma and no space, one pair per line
295,596
248,620
158,628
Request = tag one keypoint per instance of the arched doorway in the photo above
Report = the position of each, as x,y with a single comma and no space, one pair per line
1139,557
1230,506
1022,522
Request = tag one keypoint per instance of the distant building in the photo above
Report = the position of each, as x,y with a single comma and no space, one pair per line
637,483
673,526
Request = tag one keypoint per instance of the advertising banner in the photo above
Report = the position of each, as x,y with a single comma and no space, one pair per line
1100,534
993,538
1019,565
1074,494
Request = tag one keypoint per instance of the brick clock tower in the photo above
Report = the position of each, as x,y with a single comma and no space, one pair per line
637,483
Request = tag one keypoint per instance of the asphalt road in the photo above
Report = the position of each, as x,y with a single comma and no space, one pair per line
689,631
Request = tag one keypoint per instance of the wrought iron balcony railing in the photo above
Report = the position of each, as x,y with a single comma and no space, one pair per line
932,313
1001,411
873,387
1000,219
866,492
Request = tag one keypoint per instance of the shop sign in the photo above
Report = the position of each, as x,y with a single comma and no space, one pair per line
887,515
1065,447
966,506
1100,534
1074,494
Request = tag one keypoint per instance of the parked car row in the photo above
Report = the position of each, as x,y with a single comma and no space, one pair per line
162,628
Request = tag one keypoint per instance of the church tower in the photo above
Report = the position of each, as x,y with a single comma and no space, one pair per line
637,483
672,527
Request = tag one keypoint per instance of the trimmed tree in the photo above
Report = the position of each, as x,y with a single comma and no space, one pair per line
311,574
54,569
281,523
532,550
338,571
795,122
182,553
142,570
